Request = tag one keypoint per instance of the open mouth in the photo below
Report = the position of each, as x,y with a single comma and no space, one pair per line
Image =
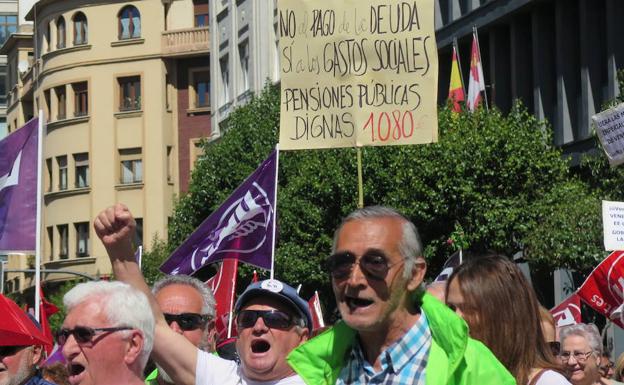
260,346
355,303
75,369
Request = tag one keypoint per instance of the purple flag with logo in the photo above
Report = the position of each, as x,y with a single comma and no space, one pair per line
241,228
18,189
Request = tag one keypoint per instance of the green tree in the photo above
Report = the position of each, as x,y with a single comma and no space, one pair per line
494,177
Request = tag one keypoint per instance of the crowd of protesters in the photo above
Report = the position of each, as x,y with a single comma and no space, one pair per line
484,325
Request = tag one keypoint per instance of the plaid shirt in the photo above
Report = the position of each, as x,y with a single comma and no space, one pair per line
402,363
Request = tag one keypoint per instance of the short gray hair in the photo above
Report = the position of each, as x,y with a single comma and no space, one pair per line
208,301
588,331
410,245
122,304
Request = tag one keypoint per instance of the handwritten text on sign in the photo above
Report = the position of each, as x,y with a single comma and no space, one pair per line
357,73
610,130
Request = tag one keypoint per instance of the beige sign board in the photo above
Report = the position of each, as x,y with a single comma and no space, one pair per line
357,73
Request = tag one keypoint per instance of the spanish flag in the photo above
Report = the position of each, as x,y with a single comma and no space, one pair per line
456,88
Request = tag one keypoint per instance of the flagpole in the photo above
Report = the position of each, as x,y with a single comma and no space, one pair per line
274,210
461,74
360,178
230,317
476,37
38,228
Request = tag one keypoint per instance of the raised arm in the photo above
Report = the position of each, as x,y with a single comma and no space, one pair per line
115,227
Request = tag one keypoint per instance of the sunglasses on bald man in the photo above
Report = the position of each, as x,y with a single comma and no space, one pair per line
187,321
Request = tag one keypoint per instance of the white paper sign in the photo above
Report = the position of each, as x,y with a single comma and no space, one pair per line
610,130
613,225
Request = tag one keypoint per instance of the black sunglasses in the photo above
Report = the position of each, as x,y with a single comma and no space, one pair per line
84,334
187,321
6,351
374,265
273,319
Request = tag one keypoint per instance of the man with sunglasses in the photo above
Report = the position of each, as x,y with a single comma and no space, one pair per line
391,332
189,308
107,335
271,321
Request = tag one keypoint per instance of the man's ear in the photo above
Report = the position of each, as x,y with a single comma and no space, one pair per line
37,356
135,347
304,335
418,274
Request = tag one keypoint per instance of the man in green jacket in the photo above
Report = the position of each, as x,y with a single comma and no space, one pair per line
390,333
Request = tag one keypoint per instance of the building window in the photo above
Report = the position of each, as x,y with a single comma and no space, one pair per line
81,99
63,241
62,167
80,28
8,25
225,79
82,239
131,166
81,162
200,11
129,93
243,53
169,164
3,88
200,88
48,105
129,23
50,231
61,103
60,32
49,176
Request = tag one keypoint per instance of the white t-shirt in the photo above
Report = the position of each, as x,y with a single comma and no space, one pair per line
213,370
550,377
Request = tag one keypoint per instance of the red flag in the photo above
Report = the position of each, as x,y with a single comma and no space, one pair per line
456,87
46,309
567,312
317,313
603,289
254,279
223,285
476,84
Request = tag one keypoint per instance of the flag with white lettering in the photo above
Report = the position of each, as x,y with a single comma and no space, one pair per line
567,312
18,189
241,228
603,290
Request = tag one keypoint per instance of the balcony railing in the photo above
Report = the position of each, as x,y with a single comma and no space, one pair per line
185,41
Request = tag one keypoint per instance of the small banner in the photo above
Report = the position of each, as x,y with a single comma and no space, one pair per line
223,286
613,225
567,312
357,73
610,130
603,289
314,304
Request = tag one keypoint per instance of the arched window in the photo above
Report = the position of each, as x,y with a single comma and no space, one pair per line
80,28
129,23
60,32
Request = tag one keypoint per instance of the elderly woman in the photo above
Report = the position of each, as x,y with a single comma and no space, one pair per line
581,348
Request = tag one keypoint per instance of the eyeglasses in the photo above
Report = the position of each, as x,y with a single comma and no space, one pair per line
373,265
84,334
579,357
187,321
6,351
273,319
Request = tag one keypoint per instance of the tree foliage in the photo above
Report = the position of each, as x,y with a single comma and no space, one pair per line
496,178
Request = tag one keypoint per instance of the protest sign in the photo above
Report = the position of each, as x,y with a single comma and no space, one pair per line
610,130
603,289
357,73
613,225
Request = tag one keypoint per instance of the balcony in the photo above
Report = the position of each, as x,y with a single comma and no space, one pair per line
186,42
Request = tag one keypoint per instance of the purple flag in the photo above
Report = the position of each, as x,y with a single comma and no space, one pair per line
18,189
241,228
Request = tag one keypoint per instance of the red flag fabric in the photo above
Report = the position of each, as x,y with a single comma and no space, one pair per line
567,312
223,285
254,278
456,88
603,289
46,309
317,313
476,84
16,328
